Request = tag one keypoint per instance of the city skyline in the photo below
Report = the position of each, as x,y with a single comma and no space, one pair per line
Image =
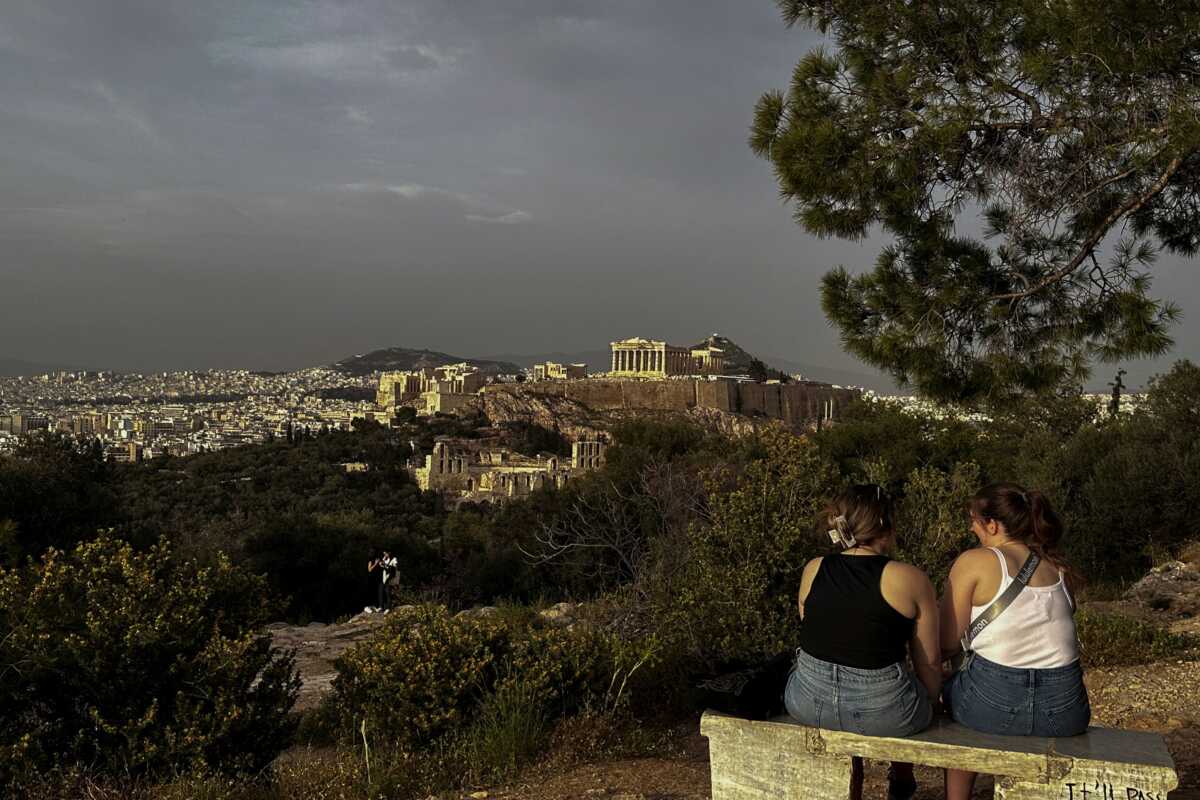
248,185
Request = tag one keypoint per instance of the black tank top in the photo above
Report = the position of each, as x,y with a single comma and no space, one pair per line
846,619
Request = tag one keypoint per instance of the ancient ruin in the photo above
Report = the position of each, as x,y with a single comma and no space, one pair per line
500,474
553,371
430,390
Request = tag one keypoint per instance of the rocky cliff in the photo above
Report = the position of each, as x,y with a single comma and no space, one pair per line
578,420
581,409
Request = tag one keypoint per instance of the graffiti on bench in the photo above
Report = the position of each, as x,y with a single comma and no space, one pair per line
1107,791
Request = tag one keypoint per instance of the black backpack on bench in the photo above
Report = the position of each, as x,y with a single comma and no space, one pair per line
753,691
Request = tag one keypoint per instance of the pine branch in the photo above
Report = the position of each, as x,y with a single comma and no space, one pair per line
1131,206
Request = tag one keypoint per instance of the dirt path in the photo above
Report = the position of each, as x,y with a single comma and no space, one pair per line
316,646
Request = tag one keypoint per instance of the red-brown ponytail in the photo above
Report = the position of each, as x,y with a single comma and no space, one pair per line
1046,530
1026,515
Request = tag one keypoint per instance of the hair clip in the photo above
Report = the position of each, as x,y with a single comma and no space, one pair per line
839,533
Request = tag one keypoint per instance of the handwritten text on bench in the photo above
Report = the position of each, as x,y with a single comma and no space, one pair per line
1106,791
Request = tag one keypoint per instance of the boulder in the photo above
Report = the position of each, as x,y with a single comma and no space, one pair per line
481,612
1174,587
559,613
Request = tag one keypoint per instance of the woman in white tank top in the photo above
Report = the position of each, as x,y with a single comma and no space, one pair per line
1024,676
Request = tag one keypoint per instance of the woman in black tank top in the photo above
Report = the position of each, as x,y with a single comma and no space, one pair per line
847,588
863,616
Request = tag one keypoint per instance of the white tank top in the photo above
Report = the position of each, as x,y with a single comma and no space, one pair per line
1036,632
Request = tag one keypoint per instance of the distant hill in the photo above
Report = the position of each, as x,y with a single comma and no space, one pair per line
597,360
402,358
737,360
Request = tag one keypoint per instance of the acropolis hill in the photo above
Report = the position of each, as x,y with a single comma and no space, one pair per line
646,377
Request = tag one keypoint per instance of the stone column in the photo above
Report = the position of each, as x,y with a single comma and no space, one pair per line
614,361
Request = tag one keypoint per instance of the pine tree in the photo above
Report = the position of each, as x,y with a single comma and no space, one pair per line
1114,405
757,371
1028,160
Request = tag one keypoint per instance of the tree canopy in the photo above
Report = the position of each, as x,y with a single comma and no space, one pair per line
1029,160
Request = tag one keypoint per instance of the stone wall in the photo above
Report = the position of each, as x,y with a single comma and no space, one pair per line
719,395
797,404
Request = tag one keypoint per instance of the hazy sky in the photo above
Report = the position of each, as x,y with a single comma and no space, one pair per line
274,185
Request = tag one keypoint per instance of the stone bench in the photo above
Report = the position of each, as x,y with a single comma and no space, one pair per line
783,759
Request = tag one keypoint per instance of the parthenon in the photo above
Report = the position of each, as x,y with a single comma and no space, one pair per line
644,358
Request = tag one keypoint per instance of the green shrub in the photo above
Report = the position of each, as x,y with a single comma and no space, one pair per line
426,674
419,676
318,726
872,433
932,519
1108,639
567,670
738,599
136,663
509,731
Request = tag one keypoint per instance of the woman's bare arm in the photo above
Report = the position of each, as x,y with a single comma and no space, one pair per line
926,654
806,580
956,601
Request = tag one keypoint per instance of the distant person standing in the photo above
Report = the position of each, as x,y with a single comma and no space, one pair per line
387,566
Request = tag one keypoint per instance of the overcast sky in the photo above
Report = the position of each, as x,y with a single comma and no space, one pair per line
271,185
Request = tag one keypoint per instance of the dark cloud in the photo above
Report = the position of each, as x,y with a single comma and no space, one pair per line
268,184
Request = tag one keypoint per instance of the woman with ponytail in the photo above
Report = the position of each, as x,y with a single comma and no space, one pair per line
863,616
1022,675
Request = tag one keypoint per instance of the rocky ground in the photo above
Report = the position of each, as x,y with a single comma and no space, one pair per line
316,646
1162,697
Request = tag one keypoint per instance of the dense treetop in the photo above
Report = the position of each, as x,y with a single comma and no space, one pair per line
1028,159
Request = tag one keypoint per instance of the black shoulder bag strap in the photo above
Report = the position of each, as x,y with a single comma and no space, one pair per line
1000,604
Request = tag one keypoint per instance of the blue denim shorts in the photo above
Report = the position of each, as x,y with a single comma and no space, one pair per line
875,702
991,698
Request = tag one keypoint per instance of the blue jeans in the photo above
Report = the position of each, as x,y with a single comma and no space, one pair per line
875,702
992,698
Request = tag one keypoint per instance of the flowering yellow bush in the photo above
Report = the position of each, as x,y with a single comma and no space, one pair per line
426,673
